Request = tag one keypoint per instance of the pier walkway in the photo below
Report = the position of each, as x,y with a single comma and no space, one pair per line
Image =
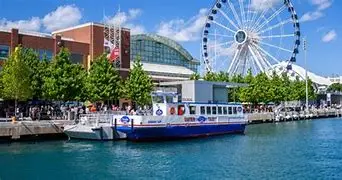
269,117
23,130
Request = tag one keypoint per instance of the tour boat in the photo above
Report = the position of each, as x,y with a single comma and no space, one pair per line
176,120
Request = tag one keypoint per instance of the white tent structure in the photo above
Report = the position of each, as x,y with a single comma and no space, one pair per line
300,72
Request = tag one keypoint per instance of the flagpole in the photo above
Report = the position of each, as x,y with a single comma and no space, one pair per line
306,77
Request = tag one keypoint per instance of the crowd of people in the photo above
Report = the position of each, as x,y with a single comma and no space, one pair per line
65,111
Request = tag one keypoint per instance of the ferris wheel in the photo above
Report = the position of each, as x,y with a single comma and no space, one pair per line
243,35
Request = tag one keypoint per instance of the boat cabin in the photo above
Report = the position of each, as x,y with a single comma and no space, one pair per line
166,104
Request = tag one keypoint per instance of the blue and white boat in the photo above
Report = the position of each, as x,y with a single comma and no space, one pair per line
177,120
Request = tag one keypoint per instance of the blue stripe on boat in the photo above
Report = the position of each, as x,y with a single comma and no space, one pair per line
175,132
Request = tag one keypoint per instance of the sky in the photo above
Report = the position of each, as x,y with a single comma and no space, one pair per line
181,20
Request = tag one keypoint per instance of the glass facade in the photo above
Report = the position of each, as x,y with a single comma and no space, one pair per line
45,53
76,58
161,50
4,52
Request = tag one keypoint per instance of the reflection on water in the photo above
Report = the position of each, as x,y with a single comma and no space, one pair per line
293,150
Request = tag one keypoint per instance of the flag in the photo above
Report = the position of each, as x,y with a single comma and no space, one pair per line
114,54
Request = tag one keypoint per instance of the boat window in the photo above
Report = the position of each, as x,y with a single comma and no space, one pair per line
181,110
230,111
169,99
219,110
158,99
214,109
234,110
208,110
202,110
192,109
225,110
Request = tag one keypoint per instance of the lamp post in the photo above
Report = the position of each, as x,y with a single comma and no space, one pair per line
306,76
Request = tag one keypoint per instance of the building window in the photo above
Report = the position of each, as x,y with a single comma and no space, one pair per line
43,53
76,58
4,52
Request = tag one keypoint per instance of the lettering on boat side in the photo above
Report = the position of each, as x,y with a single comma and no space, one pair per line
186,99
201,119
125,119
189,119
159,112
154,122
212,118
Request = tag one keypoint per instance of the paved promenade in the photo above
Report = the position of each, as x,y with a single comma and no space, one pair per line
23,130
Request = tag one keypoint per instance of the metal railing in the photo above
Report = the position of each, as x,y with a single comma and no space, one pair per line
95,119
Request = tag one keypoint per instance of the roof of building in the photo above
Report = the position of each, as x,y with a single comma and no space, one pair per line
83,25
163,68
35,34
166,41
217,84
319,80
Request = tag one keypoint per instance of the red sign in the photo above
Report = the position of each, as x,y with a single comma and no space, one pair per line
114,54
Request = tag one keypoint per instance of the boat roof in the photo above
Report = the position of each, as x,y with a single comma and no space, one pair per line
160,93
217,84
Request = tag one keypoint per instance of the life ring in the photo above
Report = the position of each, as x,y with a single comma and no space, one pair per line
172,111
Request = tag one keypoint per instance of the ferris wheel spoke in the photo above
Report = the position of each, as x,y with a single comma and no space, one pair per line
220,35
254,25
268,54
271,17
229,20
242,12
236,16
238,51
274,46
222,44
262,58
255,58
224,27
253,65
277,36
275,26
248,12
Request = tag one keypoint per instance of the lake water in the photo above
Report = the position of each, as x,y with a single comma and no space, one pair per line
293,150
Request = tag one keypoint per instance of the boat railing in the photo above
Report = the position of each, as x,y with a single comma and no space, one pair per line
95,119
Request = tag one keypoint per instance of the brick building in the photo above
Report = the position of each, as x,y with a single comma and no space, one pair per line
85,42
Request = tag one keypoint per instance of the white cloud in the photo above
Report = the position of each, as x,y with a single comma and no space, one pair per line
33,24
260,5
311,16
330,36
322,4
127,19
184,30
62,17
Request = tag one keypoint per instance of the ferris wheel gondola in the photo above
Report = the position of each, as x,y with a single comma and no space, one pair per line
242,35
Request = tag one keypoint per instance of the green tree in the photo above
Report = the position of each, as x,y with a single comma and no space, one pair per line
335,87
277,90
139,85
37,71
195,76
16,77
62,81
103,81
210,76
222,77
